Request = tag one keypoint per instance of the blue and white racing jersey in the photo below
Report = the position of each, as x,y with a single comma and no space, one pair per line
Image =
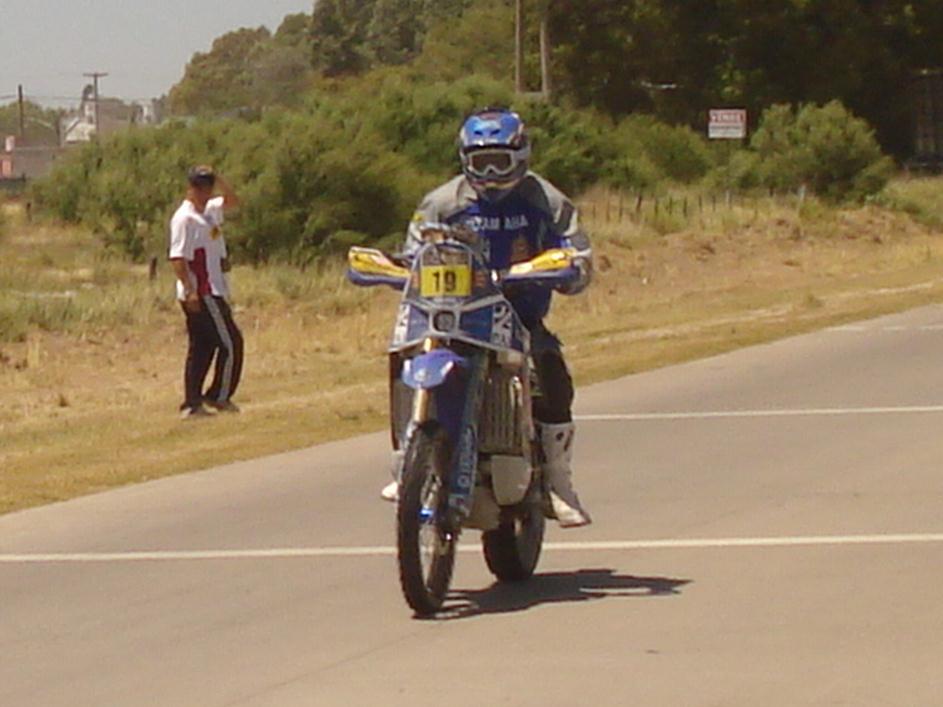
533,218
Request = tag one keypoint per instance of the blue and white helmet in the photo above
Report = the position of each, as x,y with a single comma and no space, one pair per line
494,150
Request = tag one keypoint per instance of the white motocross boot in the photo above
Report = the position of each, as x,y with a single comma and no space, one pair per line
390,492
557,441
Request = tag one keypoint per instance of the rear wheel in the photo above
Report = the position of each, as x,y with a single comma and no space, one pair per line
425,545
513,548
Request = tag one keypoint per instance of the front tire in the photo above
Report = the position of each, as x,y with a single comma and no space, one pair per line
425,544
513,548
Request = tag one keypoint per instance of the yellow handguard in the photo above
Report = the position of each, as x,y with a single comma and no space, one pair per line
548,261
370,261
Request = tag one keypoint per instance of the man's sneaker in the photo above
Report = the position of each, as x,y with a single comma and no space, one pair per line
222,405
195,412
390,492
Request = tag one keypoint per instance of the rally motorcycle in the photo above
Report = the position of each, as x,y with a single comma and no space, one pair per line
461,391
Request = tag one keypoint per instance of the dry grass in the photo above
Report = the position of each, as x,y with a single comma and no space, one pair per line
90,374
722,277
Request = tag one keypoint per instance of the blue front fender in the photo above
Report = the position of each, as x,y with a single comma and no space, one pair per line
430,370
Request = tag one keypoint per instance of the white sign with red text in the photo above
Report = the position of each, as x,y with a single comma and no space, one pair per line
727,124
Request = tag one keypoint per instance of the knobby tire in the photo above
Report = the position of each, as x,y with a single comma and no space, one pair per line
421,523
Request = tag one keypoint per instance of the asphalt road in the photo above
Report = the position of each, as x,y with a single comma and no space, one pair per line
769,531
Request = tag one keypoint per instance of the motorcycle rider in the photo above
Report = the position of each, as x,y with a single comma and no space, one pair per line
518,215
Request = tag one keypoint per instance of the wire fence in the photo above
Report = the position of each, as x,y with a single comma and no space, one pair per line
641,208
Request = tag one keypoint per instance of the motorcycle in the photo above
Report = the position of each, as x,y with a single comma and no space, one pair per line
461,390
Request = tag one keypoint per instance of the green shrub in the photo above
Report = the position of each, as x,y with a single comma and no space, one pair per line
573,149
740,172
676,152
823,147
347,167
420,120
321,180
918,197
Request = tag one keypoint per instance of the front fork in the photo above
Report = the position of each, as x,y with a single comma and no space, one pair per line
454,405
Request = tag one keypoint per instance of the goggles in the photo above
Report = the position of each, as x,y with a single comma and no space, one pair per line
495,162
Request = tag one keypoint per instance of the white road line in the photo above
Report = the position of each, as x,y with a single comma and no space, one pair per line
165,555
380,551
711,414
715,543
890,329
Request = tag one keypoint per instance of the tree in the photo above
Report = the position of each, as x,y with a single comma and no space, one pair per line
247,69
479,40
338,35
677,58
221,79
294,30
40,123
396,29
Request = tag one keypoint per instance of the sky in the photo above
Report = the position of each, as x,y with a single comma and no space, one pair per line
143,45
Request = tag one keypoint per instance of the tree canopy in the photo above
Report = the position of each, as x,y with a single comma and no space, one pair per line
39,124
246,70
676,58
673,59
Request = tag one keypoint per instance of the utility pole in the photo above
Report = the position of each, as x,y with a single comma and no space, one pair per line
19,101
545,86
95,75
519,46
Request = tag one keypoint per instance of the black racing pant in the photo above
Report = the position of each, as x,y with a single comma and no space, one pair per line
212,332
553,404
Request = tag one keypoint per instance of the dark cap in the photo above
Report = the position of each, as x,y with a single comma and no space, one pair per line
201,176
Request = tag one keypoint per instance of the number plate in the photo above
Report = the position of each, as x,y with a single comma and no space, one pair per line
446,281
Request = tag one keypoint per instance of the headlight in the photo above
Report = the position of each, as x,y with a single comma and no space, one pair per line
444,321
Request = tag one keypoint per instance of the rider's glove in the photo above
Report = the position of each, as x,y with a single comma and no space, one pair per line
585,268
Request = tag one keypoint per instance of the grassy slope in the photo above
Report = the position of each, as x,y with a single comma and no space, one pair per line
91,403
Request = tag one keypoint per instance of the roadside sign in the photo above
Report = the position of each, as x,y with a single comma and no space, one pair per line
727,124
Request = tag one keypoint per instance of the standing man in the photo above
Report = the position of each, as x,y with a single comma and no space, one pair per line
200,262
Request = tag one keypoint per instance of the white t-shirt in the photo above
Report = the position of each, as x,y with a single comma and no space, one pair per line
198,239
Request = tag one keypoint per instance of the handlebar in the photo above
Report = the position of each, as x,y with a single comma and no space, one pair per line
552,268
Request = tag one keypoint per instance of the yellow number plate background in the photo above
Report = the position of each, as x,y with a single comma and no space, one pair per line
446,281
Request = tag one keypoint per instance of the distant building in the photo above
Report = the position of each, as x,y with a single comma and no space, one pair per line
21,160
115,115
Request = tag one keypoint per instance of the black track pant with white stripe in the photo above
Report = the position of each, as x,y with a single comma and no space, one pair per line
212,332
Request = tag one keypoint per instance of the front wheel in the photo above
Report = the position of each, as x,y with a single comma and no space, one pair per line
425,544
513,548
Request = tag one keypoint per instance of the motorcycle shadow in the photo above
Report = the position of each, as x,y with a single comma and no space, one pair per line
554,588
